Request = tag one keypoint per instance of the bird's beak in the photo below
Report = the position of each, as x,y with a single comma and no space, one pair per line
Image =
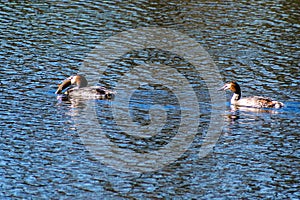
225,87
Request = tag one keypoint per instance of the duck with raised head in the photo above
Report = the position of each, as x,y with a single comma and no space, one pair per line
76,87
254,102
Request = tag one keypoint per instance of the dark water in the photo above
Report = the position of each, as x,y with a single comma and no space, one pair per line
43,151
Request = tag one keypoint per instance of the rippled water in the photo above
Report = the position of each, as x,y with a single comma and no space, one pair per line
43,151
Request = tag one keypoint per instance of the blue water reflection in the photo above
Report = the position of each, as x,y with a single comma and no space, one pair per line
42,155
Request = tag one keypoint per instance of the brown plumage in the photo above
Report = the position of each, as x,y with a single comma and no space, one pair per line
66,83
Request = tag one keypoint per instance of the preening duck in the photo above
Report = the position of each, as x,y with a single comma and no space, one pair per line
254,102
76,87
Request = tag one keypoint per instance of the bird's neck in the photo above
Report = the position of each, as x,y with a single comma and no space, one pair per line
235,97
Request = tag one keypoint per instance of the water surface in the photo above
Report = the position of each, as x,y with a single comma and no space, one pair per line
42,154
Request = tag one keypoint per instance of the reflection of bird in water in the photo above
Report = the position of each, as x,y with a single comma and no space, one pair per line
77,88
235,108
254,102
236,111
232,117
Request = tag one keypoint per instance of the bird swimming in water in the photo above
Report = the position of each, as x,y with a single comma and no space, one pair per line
77,88
254,102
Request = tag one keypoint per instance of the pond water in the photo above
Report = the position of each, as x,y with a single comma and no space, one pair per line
62,150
